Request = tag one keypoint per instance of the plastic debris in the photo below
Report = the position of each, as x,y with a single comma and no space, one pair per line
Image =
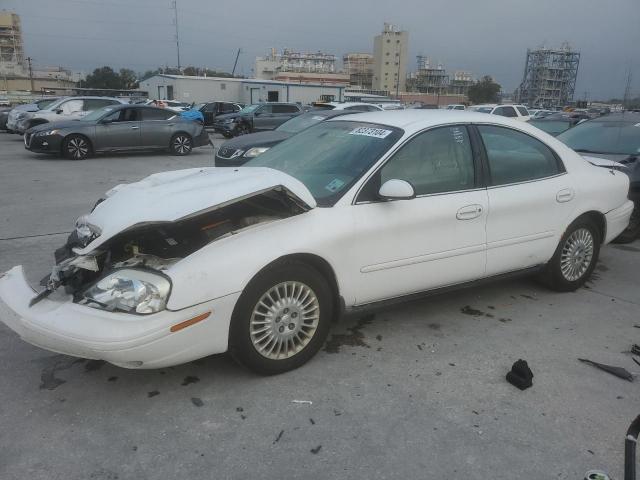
304,402
596,475
617,371
520,375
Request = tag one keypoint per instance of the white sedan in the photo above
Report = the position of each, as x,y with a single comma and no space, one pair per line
354,213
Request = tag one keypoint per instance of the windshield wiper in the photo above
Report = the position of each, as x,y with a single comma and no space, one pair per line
584,150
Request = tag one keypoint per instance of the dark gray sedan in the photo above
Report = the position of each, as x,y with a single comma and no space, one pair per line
118,128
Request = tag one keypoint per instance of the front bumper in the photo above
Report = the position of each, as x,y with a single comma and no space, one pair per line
42,144
126,340
618,220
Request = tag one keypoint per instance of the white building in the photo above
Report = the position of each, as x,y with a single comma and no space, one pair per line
244,90
390,55
269,67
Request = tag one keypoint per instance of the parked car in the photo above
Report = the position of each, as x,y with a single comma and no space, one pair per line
211,110
168,104
4,116
612,142
517,112
345,216
456,106
356,106
118,128
256,117
539,113
68,108
240,150
555,124
19,111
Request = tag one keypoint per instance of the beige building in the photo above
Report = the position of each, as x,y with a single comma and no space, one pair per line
390,55
12,61
359,68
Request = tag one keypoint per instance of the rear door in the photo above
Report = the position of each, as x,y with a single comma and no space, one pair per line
530,199
157,127
119,131
282,113
263,118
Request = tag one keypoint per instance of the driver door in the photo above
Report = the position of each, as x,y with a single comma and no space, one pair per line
119,130
433,240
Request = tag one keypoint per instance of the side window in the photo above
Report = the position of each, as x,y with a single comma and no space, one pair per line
209,107
113,117
228,108
523,111
285,109
92,104
436,161
264,109
509,112
130,115
71,106
156,114
516,157
498,111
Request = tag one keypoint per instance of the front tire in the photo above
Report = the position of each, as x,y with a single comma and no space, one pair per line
76,147
575,258
181,144
281,319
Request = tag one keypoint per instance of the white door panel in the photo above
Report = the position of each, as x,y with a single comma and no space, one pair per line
407,246
526,221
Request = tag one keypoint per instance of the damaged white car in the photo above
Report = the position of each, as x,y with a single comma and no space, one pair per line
351,214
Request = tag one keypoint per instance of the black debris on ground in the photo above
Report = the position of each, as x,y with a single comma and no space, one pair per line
353,339
379,337
520,375
337,413
316,450
112,379
617,371
467,310
48,379
197,402
153,393
239,409
278,437
312,421
189,379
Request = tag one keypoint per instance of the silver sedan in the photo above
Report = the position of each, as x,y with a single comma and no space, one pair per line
118,128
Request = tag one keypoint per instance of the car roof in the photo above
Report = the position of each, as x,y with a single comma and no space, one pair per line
412,120
631,117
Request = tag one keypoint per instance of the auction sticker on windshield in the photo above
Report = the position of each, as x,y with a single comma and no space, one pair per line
370,132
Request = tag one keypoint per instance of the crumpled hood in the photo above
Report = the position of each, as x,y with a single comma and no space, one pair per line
170,196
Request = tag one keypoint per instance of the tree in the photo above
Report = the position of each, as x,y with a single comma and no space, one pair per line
484,90
105,77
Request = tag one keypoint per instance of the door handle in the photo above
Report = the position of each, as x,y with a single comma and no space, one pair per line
134,128
565,195
469,212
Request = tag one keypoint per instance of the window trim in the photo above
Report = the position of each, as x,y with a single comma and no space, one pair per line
478,174
485,158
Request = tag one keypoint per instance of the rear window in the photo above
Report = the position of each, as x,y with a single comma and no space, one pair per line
523,111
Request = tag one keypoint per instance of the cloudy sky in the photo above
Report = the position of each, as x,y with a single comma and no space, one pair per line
481,36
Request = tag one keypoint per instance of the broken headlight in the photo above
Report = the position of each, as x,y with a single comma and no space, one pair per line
131,291
86,232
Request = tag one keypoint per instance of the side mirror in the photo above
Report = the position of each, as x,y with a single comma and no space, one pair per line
395,189
59,111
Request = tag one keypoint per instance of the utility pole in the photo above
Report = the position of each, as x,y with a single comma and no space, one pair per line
233,72
174,5
30,72
627,90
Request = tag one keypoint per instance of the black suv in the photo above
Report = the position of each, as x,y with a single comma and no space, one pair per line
211,110
256,117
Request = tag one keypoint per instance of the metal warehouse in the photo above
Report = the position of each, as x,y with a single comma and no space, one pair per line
204,89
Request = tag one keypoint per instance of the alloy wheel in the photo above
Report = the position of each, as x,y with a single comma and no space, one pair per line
577,254
77,147
182,144
284,320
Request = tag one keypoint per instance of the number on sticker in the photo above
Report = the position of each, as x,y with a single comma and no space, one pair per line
370,132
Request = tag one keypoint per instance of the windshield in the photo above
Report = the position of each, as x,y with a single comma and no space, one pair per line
482,109
299,123
553,127
249,108
45,103
615,137
97,114
329,157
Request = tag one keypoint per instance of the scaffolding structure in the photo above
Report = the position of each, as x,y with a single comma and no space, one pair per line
549,79
11,48
359,67
428,78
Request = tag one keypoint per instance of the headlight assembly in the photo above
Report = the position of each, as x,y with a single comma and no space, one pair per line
255,151
46,133
131,291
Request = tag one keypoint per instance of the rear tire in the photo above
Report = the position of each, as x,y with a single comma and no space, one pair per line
181,144
575,258
281,319
76,147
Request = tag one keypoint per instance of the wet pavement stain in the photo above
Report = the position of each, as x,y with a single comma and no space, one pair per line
48,378
504,320
467,310
189,379
434,326
152,393
627,248
197,402
112,379
93,365
353,339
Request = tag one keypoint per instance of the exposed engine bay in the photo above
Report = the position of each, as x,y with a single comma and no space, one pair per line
158,245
